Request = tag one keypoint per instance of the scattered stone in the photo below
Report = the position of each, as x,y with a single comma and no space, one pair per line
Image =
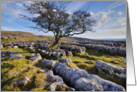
53,86
21,82
69,53
48,63
40,71
33,68
74,48
3,55
35,57
65,60
1,46
15,47
18,83
16,56
24,81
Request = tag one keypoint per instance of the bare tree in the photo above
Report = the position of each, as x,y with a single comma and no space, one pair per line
52,17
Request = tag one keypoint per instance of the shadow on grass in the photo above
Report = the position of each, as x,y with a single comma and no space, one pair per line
40,65
9,81
6,59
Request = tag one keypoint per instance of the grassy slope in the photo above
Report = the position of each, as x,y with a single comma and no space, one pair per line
15,33
27,37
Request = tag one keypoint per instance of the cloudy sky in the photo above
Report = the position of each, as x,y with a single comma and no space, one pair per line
109,15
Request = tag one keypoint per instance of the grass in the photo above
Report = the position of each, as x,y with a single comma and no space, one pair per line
23,52
13,70
15,33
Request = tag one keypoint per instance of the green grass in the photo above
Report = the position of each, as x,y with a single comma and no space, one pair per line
23,52
15,33
13,70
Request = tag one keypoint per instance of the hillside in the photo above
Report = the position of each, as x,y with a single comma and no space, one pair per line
15,33
27,36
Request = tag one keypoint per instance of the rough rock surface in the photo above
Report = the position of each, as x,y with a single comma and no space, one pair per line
69,53
35,57
74,48
65,60
16,56
115,70
87,85
72,76
15,47
6,54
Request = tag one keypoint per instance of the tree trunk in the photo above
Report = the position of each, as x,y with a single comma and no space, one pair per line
56,41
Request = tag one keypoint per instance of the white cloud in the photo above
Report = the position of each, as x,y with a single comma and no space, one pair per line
101,18
107,20
6,29
107,25
102,34
12,8
119,13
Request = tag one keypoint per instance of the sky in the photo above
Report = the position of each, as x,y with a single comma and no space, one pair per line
110,17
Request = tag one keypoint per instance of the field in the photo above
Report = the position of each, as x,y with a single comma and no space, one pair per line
13,70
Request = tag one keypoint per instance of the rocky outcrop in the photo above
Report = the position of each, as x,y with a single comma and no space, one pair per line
74,48
69,53
15,47
6,54
35,57
22,82
16,56
57,82
112,47
65,60
72,77
87,85
112,70
53,53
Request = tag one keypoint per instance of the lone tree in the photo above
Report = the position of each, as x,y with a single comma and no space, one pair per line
53,17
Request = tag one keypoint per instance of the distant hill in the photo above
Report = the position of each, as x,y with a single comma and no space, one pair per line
15,33
110,39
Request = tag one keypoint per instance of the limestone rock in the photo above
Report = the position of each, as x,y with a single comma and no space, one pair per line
65,60
36,57
69,53
84,84
16,56
78,73
115,70
15,47
25,81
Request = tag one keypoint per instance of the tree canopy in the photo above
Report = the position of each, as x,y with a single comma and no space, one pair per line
53,17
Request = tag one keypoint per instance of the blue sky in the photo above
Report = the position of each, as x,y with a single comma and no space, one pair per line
109,15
